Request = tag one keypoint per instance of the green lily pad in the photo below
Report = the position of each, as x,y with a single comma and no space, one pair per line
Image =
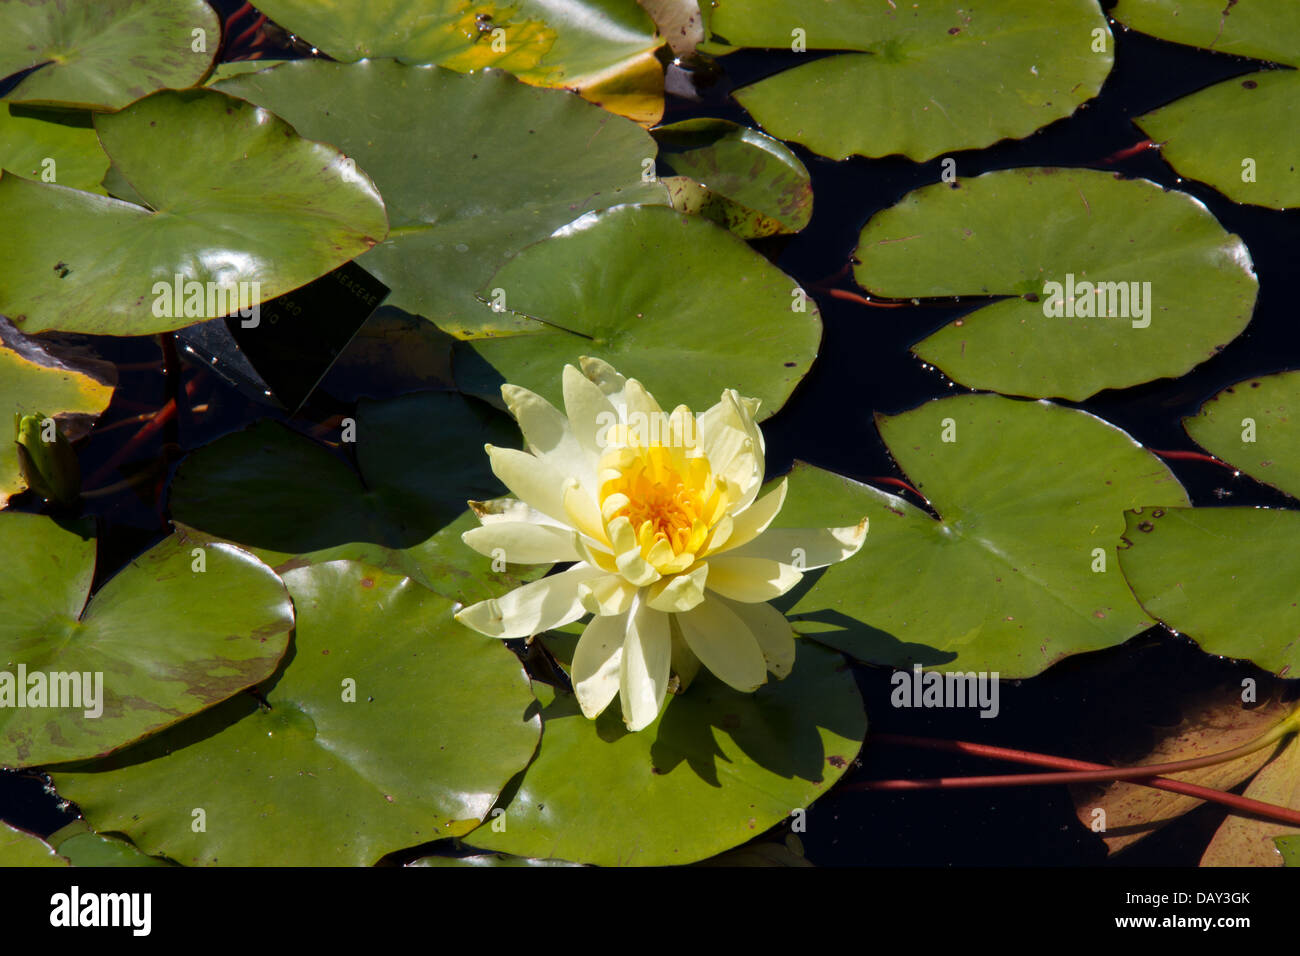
1226,577
741,179
81,846
391,726
925,79
1236,137
160,641
1255,426
1289,847
1264,31
105,54
601,49
502,165
1177,285
1017,572
257,204
52,147
20,848
716,769
420,458
34,382
670,299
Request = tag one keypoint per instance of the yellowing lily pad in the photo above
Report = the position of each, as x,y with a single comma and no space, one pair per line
1110,282
1018,569
186,625
103,55
919,79
34,382
391,726
602,49
258,204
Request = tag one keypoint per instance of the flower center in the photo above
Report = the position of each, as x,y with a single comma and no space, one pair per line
668,497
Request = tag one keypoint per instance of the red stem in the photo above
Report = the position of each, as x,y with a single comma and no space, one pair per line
1082,772
1190,456
147,430
899,483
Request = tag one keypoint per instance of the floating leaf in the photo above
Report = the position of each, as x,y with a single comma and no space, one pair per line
928,78
53,147
1226,577
602,49
1177,286
187,624
716,768
1265,31
1247,841
669,299
1129,812
20,848
420,459
257,204
82,846
1290,849
1255,426
105,54
1235,136
1016,572
735,176
35,382
501,166
391,726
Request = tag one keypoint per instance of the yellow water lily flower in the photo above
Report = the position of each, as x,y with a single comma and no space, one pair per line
673,552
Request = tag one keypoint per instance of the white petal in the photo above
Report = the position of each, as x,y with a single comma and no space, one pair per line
548,432
751,579
640,403
722,641
733,443
608,595
591,414
805,548
581,510
606,378
536,607
519,542
773,632
645,666
596,663
510,509
678,593
534,481
753,521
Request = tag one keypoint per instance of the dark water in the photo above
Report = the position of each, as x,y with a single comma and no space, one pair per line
1088,706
